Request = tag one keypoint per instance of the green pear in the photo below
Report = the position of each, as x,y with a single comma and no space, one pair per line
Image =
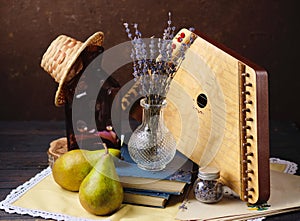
101,192
71,168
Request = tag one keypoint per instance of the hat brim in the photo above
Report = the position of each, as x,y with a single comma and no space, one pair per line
95,39
61,60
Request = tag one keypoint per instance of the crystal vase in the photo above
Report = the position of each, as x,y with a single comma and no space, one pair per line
152,146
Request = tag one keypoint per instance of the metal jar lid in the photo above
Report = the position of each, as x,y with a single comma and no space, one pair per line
208,173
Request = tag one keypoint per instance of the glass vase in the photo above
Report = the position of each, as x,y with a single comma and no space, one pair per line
152,146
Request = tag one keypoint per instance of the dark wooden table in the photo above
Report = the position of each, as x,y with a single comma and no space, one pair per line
24,145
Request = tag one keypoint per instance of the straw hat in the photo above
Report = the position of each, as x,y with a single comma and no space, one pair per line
62,62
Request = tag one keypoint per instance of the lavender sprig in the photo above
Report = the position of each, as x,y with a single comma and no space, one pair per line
155,73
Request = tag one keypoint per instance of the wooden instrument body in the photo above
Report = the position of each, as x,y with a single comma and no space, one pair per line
218,112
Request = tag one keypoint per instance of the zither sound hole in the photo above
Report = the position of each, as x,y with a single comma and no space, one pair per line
201,100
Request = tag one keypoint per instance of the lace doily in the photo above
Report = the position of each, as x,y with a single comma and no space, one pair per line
15,194
291,167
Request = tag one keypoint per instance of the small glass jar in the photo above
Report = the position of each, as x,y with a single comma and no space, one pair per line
207,188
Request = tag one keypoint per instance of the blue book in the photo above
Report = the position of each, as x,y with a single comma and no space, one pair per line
145,198
170,180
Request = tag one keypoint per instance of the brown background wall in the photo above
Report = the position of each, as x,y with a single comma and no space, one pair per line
263,31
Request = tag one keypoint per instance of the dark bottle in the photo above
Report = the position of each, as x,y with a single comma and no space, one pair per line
97,112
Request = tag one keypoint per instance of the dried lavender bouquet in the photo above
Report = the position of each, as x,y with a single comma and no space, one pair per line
155,62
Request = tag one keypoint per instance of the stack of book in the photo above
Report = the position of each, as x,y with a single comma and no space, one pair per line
153,188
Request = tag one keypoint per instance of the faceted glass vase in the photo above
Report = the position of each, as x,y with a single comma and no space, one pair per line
152,146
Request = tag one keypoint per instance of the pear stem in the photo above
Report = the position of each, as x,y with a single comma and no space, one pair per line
105,147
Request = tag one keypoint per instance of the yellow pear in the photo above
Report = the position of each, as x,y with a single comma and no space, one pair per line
71,168
101,192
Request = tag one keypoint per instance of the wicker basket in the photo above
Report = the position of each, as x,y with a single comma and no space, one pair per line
57,148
